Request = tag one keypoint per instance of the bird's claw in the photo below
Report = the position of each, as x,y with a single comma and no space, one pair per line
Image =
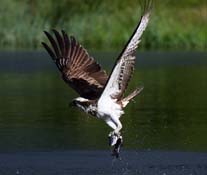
114,133
115,140
117,146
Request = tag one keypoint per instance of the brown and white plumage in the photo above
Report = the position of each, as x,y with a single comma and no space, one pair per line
100,95
78,69
124,67
111,102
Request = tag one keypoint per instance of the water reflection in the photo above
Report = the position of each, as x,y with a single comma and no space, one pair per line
169,114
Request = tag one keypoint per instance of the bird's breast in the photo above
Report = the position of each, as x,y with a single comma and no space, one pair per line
109,109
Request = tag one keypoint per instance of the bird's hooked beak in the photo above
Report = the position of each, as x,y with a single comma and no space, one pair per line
72,104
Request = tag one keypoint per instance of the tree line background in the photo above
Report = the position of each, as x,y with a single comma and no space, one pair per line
104,25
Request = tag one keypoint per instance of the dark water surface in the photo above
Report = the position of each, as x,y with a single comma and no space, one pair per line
100,163
170,114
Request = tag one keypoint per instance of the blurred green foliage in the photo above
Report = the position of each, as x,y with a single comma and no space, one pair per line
104,25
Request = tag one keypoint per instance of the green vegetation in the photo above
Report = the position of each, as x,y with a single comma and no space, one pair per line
104,25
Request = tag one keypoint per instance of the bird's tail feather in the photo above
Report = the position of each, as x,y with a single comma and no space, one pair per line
126,100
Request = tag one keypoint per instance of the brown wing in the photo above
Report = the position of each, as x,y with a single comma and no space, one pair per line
78,69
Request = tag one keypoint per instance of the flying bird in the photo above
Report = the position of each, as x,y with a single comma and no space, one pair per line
101,95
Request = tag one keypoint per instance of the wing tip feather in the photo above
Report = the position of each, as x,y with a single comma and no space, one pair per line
49,50
147,7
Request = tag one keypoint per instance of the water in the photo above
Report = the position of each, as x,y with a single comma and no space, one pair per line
100,163
170,114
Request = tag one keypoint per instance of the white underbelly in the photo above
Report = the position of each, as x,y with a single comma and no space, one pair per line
109,110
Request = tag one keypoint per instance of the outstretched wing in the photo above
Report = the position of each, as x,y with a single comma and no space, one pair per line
78,69
123,69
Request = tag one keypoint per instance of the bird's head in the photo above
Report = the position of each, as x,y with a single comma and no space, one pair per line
80,102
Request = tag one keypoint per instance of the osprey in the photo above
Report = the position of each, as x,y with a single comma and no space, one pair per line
100,95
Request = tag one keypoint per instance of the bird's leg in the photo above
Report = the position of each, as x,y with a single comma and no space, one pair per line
115,140
112,138
118,128
117,146
115,135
